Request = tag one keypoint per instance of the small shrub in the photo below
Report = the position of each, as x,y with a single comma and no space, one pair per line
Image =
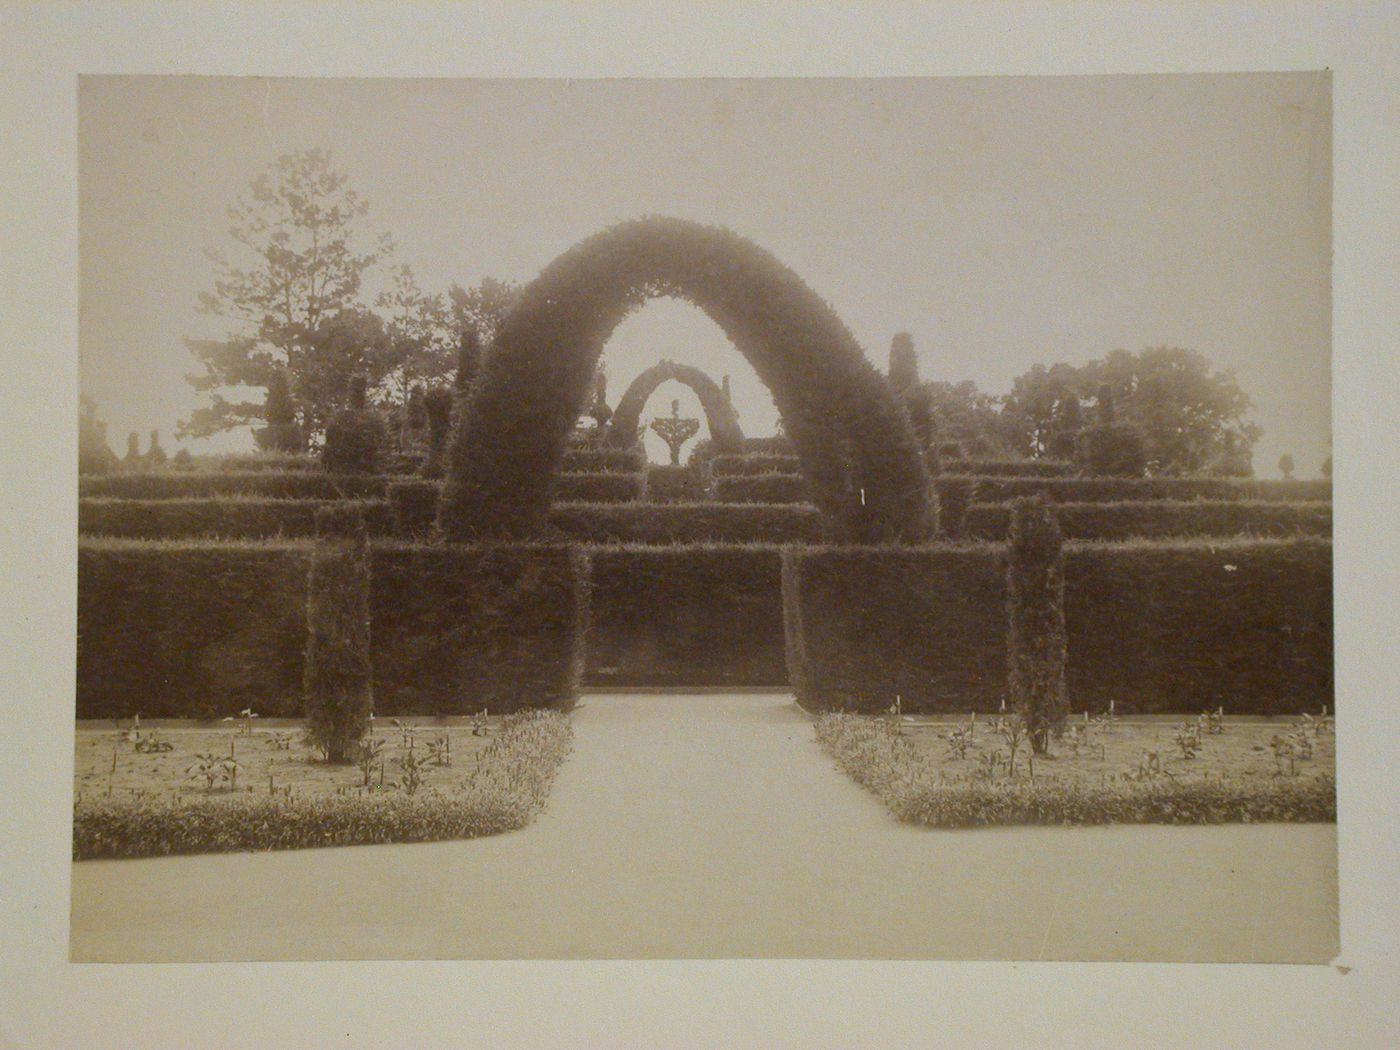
338,682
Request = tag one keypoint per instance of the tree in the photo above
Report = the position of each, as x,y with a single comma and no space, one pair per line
299,271
1029,413
482,308
961,413
1285,465
420,338
1067,421
282,433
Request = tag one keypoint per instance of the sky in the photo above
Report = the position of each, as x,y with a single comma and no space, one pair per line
1002,221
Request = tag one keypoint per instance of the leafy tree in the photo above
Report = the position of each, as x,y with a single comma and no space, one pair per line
1066,423
1029,413
482,307
420,338
1285,465
295,283
963,415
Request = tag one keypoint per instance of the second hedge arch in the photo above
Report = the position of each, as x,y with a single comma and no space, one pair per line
720,416
852,437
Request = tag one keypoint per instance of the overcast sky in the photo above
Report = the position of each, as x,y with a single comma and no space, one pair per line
1002,221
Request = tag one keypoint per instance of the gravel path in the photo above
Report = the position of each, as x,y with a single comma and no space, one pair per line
714,827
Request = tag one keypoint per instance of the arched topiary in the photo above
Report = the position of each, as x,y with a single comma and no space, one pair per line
720,416
852,437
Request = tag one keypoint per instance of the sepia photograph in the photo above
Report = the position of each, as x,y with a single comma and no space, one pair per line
704,528
750,525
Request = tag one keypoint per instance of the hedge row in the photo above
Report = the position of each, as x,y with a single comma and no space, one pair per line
763,488
754,463
269,484
204,629
1014,468
1162,518
599,488
676,523
601,459
223,517
686,616
674,484
1137,490
1152,626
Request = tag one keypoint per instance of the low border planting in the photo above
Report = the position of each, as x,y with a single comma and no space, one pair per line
877,758
508,789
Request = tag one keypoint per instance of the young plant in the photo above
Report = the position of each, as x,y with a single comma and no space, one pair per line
440,750
412,767
1014,731
212,769
959,740
367,757
481,725
281,741
1188,738
151,743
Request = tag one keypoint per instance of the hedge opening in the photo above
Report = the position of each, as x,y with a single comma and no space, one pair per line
857,449
720,417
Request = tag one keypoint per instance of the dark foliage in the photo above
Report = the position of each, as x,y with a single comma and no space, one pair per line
1172,626
414,507
686,616
459,629
221,517
672,484
720,416
762,488
437,404
754,463
1136,490
282,433
1035,611
338,683
1114,450
1012,468
1157,519
190,630
955,496
667,523
866,625
1152,626
356,437
605,460
600,488
269,484
95,456
849,431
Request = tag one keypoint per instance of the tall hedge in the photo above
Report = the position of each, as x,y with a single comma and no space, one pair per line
221,517
1117,490
339,687
1035,609
704,615
460,629
676,484
600,488
720,417
762,488
190,629
270,484
849,432
1164,626
754,463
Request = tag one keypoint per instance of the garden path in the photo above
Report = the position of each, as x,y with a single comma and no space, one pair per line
714,827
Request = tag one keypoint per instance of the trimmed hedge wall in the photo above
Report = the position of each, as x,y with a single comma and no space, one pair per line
686,616
268,484
601,459
665,523
763,488
864,625
204,629
600,488
224,517
1013,468
1152,626
1137,490
1163,518
672,484
754,463
190,630
458,629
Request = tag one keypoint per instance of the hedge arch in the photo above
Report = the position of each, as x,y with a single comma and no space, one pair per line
723,421
852,437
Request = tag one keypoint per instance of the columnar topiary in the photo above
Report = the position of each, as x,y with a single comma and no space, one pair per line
1065,425
337,682
904,363
355,437
855,445
413,429
720,417
1035,589
438,405
94,454
155,455
132,459
282,432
